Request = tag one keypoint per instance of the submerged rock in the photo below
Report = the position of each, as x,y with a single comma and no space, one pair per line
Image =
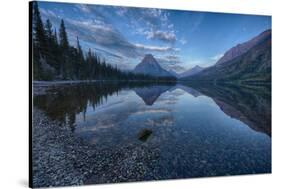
144,134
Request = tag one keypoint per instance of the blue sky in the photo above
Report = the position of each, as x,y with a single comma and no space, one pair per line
179,40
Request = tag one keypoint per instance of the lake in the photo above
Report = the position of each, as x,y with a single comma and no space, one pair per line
166,130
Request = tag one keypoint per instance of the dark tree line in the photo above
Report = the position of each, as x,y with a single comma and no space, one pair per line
55,59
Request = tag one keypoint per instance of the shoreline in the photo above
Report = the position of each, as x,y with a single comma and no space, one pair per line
41,87
60,158
50,155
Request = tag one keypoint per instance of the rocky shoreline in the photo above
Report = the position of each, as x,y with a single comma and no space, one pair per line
54,151
59,158
41,87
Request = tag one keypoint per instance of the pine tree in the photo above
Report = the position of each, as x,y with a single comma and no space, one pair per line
63,37
79,49
49,43
64,47
40,46
80,60
38,29
48,28
89,61
56,37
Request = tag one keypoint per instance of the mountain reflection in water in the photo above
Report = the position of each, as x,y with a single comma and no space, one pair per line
249,104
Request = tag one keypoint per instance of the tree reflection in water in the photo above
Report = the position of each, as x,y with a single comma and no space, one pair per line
249,104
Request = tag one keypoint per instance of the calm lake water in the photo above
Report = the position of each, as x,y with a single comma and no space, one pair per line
187,130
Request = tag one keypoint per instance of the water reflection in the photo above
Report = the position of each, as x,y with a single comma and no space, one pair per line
251,105
151,93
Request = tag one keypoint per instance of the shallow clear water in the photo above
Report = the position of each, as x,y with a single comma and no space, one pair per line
192,131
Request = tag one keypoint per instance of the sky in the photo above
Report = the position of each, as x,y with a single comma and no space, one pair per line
179,40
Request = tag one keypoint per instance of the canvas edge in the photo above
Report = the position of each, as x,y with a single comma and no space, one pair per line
30,171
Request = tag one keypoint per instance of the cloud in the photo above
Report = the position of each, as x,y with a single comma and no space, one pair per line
170,59
107,53
177,68
48,13
166,36
152,23
84,8
216,57
183,41
152,17
171,62
155,48
170,26
97,32
121,11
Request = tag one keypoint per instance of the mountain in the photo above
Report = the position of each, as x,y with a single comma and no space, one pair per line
190,72
253,66
173,73
240,49
150,66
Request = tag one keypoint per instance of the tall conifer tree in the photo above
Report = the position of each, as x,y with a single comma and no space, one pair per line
38,29
63,36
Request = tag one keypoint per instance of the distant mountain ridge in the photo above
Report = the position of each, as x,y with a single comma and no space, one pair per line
192,71
240,49
254,65
173,73
150,66
196,69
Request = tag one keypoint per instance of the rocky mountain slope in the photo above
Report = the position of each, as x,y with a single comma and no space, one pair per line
240,49
252,66
150,66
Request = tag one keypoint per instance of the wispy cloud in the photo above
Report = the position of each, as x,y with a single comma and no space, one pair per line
48,13
171,62
107,53
216,57
155,48
177,68
170,59
98,33
183,41
121,11
83,8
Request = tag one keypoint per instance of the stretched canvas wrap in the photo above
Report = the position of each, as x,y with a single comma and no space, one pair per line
125,94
